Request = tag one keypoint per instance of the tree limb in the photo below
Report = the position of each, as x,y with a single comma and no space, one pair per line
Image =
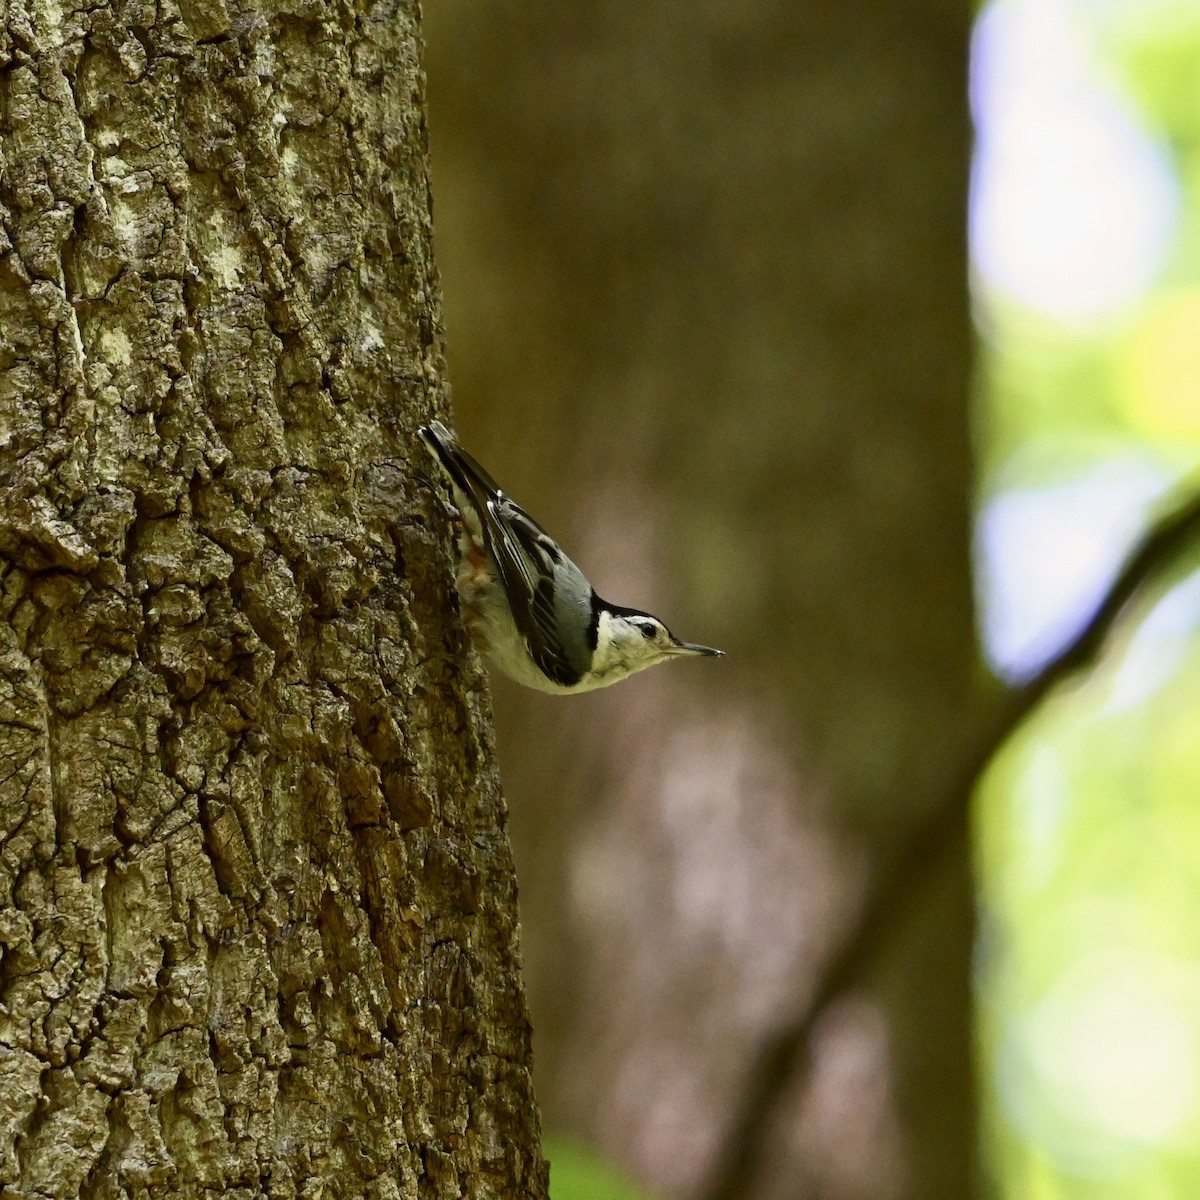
887,904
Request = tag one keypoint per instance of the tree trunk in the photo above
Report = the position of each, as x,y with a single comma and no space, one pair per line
258,917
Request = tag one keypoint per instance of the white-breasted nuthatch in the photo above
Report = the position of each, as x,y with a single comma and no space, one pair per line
527,605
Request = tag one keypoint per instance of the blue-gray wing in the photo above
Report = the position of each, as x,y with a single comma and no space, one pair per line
552,605
550,599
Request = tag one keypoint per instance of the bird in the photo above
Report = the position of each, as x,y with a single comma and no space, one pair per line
527,605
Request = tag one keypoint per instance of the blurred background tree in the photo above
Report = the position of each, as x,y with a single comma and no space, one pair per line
705,276
706,292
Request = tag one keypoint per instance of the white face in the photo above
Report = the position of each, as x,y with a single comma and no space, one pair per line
643,637
628,643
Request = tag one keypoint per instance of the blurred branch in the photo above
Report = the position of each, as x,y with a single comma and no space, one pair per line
887,904
1154,555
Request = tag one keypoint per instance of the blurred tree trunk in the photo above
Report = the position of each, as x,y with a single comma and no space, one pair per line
257,909
706,276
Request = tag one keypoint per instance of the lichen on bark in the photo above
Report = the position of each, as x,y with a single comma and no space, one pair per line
257,911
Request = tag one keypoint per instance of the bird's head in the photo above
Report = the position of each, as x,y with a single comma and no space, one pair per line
628,640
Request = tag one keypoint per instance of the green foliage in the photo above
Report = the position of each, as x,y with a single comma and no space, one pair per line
1135,376
1089,826
579,1173
1090,839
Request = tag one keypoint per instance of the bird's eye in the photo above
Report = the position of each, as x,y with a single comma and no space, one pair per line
648,630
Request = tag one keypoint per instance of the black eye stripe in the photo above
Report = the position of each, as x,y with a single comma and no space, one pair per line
648,630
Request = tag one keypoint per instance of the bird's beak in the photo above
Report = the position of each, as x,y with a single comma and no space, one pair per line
692,648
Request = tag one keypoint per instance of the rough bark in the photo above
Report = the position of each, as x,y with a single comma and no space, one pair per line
257,909
706,271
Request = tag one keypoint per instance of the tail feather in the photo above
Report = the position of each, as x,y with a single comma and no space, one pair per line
466,474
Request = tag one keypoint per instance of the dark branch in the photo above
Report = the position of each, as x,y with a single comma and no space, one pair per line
1154,555
885,908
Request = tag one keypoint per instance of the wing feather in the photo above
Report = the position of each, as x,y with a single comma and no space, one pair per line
549,596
